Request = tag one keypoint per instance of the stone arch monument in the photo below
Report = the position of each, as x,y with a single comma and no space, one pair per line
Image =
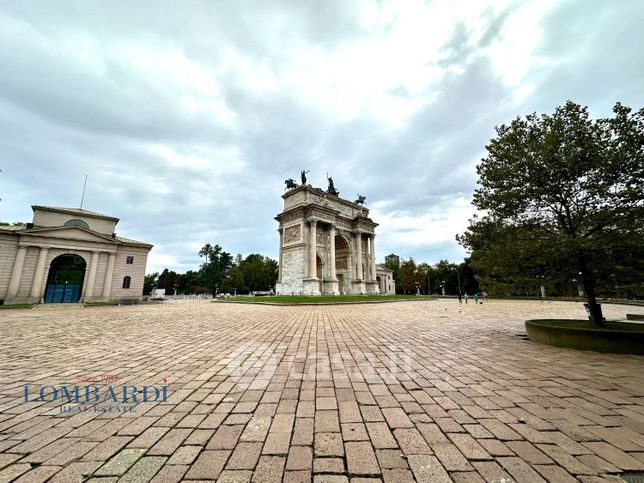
327,244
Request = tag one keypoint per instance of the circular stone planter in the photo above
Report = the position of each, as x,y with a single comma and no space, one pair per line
617,337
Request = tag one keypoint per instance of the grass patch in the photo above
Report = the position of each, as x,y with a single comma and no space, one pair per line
99,304
16,306
322,299
586,325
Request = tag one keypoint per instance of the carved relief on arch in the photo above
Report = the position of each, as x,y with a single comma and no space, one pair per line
292,234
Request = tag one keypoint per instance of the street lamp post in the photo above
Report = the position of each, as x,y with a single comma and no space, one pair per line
458,278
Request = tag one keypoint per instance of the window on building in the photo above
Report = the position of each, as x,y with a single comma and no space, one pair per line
126,281
77,222
129,260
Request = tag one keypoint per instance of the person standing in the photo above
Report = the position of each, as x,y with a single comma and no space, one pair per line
466,297
476,298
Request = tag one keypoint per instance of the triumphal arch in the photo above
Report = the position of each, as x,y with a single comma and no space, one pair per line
327,243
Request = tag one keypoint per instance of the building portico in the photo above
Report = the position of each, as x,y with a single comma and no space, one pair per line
69,255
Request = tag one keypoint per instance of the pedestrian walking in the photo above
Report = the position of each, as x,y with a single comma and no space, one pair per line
476,298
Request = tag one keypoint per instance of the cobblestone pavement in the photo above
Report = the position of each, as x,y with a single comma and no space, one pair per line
428,391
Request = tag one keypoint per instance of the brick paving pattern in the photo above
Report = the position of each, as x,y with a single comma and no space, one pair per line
427,391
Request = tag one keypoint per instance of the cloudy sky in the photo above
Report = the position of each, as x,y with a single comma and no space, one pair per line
188,115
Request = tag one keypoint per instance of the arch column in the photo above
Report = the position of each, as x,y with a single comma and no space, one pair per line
332,253
359,272
16,274
40,273
91,278
109,275
279,266
313,265
372,251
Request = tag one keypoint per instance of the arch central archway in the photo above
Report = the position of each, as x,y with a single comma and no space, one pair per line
342,263
65,279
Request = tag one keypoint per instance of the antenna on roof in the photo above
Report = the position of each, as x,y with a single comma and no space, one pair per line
83,195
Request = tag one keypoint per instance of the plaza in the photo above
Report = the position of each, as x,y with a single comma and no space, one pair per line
428,391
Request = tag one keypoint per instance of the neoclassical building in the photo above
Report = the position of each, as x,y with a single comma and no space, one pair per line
327,245
69,255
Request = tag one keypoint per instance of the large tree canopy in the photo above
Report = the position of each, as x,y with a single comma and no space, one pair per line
562,198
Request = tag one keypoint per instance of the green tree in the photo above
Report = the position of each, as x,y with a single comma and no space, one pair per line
168,281
234,281
213,270
259,272
562,196
150,282
408,276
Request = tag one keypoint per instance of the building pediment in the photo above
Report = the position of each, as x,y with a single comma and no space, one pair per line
75,233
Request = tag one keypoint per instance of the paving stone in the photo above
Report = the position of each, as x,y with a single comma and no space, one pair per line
170,474
529,453
300,458
450,457
256,429
411,441
467,477
120,463
520,470
103,451
75,472
225,437
397,418
277,443
397,476
469,447
328,465
144,469
555,473
328,444
303,432
209,465
427,469
235,476
245,456
381,436
361,460
185,455
269,469
39,474
491,471
391,458
330,479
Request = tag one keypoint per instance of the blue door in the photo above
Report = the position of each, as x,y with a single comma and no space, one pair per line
65,280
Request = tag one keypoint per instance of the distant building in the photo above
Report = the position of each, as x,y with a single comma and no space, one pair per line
392,260
385,279
69,255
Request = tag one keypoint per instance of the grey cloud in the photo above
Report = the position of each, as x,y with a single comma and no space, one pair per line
60,119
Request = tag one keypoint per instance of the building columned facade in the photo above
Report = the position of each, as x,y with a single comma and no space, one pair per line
69,255
385,279
327,245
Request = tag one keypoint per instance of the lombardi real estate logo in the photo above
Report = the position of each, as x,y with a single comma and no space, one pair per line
96,394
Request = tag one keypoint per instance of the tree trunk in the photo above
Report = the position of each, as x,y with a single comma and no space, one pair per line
596,317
